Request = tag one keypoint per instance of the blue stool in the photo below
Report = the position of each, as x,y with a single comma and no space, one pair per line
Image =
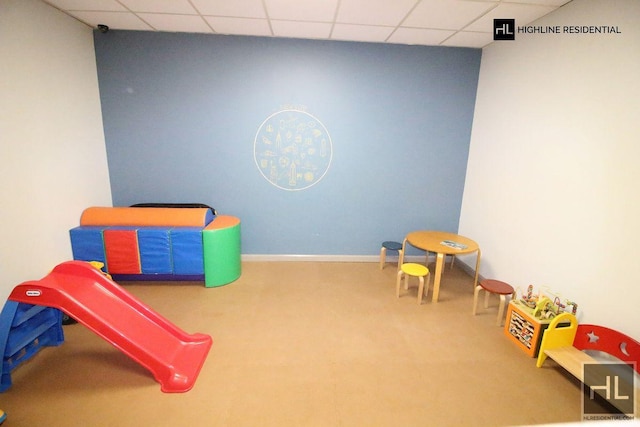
392,246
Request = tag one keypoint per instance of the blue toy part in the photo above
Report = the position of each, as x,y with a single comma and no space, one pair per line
154,244
186,244
24,330
87,243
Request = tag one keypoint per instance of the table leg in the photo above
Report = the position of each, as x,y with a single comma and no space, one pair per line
475,279
438,275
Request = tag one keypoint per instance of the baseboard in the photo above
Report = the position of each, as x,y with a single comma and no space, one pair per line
346,258
467,269
327,258
311,258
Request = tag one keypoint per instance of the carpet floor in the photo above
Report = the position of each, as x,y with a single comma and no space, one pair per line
304,344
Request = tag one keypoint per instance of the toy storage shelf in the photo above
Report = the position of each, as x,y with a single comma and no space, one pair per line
523,328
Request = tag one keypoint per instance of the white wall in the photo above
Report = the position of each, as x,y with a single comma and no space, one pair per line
52,151
551,192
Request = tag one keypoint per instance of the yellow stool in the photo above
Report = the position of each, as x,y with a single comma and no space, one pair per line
392,246
415,270
493,287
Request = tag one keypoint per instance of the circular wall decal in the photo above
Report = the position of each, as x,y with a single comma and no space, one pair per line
292,150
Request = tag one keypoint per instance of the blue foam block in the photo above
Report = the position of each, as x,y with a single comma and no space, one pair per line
155,250
186,250
87,243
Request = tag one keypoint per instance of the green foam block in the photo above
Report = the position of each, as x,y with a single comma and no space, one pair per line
221,247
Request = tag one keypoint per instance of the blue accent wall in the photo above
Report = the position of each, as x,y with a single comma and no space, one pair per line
181,112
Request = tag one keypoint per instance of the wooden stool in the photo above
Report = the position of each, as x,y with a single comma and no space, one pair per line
392,246
415,270
493,287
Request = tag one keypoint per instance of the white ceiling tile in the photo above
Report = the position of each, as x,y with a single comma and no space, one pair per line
119,20
160,6
304,30
363,33
523,14
420,36
241,26
302,10
176,23
469,39
430,22
374,12
446,14
97,5
235,8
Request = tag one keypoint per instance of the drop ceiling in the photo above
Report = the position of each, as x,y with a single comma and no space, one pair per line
460,23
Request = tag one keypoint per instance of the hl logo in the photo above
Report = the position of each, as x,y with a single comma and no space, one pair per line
607,389
504,29
609,382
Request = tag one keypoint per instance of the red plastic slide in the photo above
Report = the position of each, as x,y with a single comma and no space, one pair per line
84,293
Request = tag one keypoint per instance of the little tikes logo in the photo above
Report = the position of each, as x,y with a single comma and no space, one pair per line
504,29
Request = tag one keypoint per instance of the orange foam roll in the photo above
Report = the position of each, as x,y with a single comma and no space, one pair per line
146,217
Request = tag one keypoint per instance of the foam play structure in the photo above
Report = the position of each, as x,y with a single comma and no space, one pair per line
160,243
174,357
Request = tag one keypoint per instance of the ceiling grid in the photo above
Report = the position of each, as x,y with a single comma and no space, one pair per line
459,23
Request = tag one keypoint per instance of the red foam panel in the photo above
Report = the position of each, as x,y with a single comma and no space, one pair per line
121,250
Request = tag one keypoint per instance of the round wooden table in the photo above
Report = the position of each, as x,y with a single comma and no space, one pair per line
443,244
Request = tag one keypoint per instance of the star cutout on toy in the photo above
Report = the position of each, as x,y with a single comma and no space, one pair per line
593,337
